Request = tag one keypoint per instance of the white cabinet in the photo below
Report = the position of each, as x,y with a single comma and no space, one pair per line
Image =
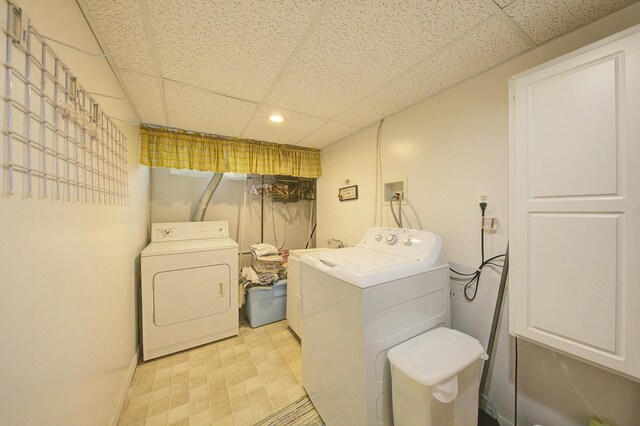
574,217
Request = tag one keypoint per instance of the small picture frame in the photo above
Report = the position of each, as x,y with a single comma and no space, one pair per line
348,193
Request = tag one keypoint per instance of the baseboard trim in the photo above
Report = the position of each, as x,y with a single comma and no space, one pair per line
125,387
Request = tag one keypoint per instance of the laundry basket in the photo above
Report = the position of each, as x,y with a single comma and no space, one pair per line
265,305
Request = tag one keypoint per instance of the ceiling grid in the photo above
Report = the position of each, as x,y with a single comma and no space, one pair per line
498,11
330,67
112,63
293,54
384,87
148,31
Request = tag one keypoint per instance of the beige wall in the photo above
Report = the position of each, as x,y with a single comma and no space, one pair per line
69,272
450,148
175,198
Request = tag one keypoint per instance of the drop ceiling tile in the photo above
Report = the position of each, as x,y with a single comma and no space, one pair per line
235,48
543,20
503,3
359,45
294,127
329,133
489,44
145,92
121,27
194,109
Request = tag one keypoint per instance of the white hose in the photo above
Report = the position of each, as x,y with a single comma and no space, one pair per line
244,211
284,215
310,230
378,174
273,222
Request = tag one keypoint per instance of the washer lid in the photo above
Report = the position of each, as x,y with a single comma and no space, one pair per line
365,267
298,253
362,261
162,248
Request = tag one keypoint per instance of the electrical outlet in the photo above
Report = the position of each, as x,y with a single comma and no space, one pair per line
483,197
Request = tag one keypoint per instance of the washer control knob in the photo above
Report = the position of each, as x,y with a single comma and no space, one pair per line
406,241
378,237
391,239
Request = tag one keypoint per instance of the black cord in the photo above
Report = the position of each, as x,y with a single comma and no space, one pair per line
515,380
483,207
482,240
460,273
475,276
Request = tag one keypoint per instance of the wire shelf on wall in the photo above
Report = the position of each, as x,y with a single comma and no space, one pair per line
284,189
59,144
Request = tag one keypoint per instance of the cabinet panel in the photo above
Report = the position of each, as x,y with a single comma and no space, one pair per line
574,204
573,131
568,298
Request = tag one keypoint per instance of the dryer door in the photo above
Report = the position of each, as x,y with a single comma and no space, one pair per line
187,294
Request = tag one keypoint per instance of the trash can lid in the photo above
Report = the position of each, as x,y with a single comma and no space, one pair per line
432,357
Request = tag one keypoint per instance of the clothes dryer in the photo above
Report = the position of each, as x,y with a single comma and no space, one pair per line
189,287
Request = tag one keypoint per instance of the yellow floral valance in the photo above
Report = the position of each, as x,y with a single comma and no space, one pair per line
178,149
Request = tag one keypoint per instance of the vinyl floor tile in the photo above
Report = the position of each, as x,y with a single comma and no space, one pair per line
236,381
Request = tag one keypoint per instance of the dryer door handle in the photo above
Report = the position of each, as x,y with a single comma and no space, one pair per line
221,292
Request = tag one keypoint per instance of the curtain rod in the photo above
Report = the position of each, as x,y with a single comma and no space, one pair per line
216,136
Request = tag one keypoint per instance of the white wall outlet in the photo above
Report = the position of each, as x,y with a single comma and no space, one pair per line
483,196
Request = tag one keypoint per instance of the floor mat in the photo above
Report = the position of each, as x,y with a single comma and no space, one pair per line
300,413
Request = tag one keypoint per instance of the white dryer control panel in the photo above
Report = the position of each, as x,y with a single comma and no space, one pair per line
181,231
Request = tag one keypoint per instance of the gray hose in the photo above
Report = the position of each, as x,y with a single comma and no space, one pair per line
496,321
396,218
198,215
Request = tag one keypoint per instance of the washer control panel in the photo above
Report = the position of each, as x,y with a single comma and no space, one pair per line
406,242
181,231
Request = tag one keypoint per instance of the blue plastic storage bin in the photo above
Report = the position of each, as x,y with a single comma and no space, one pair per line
264,306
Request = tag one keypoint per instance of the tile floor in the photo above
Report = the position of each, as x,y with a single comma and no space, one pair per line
237,381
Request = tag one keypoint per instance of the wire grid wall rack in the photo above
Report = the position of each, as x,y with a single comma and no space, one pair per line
59,144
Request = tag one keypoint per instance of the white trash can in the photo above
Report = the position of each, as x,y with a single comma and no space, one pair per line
435,379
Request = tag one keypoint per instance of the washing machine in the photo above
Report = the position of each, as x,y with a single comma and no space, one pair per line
189,287
357,303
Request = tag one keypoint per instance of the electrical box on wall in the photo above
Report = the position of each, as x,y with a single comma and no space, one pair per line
391,187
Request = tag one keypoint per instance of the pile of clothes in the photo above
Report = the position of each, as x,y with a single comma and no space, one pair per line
267,267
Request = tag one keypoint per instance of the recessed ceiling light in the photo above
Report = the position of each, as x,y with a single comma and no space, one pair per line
276,118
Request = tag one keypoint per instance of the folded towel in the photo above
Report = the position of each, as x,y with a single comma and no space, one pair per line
262,249
270,258
267,278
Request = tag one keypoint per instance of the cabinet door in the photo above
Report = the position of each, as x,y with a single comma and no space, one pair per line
575,204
